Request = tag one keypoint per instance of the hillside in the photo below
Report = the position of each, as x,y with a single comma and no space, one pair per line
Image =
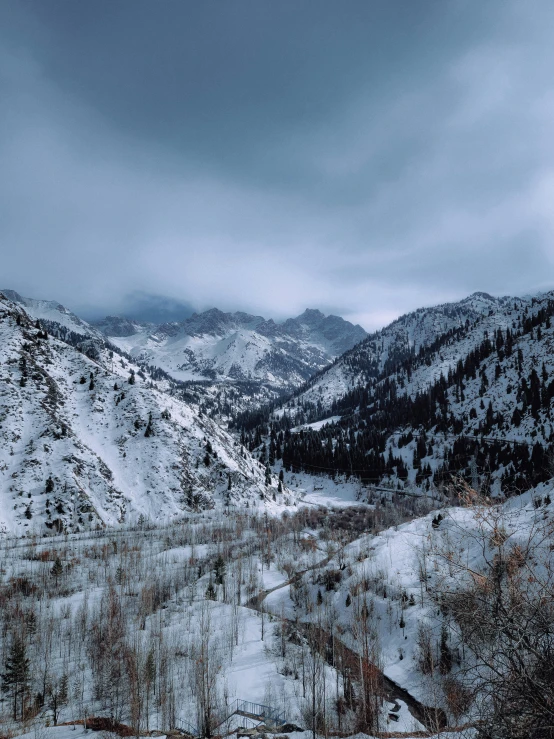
49,311
92,441
404,339
464,388
447,605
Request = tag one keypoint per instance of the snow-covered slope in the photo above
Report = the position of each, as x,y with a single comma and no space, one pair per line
120,326
51,311
93,441
466,388
394,581
406,337
237,346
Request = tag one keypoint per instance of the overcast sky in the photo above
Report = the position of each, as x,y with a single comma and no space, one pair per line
364,158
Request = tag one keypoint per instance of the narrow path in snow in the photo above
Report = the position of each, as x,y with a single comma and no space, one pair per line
434,719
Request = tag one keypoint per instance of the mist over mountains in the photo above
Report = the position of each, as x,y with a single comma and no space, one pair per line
246,356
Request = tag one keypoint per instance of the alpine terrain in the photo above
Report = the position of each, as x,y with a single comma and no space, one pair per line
373,554
88,439
233,359
226,362
461,389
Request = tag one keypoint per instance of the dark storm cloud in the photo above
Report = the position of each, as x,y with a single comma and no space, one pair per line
361,157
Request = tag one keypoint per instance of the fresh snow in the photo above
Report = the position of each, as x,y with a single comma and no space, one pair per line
91,443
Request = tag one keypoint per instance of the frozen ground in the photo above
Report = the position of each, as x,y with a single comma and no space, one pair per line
69,732
385,574
322,490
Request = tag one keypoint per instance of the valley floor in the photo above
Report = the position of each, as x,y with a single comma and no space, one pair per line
163,627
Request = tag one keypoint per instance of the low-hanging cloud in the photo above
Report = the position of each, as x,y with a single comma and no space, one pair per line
409,181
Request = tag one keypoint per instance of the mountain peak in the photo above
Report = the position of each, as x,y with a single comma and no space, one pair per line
312,313
48,310
480,294
118,326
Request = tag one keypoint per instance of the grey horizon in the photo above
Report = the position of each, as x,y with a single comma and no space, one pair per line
365,159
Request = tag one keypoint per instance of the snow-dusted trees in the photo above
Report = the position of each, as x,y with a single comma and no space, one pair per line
503,611
57,695
313,679
107,651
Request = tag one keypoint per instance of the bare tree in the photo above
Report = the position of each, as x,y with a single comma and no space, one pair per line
365,635
503,608
206,655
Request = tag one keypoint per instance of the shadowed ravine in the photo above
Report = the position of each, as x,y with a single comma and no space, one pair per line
434,719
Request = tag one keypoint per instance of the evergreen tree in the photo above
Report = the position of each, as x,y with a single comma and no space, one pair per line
219,570
57,569
149,428
16,678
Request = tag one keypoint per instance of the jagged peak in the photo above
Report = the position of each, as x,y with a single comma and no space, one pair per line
311,313
480,294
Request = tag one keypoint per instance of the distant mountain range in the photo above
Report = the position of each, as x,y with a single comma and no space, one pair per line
463,388
237,347
214,346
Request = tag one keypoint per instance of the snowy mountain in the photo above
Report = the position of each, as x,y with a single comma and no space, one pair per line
227,362
237,347
404,338
120,326
51,312
463,388
92,441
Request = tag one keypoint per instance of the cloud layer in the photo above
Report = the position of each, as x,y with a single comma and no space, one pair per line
365,158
